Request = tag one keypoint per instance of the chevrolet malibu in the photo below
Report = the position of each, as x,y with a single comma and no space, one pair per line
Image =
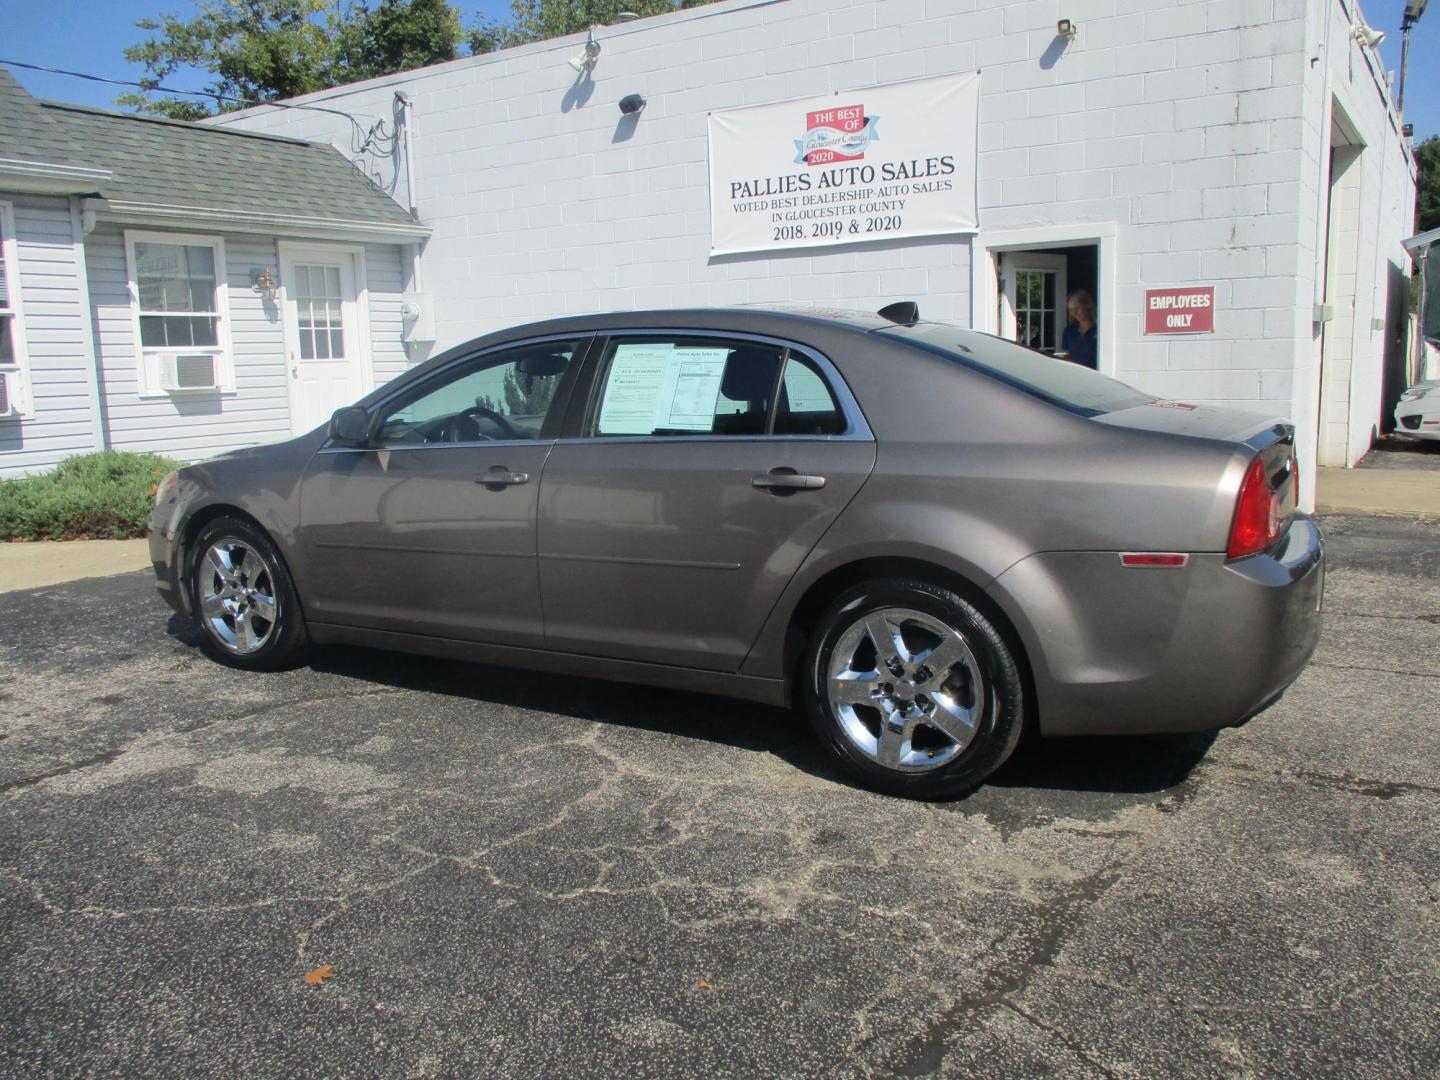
930,538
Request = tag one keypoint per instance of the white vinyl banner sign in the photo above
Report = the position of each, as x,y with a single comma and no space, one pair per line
878,164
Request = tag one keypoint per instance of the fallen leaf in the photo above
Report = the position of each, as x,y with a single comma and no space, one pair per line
706,986
319,975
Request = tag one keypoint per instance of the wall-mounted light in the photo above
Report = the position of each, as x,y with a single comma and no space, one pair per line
631,104
1067,28
265,282
584,61
1367,35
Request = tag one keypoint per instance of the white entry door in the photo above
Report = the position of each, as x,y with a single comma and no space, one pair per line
1032,298
326,342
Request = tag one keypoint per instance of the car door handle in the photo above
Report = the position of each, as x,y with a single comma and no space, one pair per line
786,480
499,476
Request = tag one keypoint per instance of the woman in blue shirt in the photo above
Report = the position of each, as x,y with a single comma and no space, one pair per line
1078,340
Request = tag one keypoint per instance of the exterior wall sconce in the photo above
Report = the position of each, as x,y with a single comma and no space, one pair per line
265,282
1067,28
631,104
1367,36
585,60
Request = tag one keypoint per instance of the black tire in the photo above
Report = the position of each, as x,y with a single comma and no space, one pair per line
995,700
269,644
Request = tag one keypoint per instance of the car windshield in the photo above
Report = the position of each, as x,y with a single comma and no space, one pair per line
1059,382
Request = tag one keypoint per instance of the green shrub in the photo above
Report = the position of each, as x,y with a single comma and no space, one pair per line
90,496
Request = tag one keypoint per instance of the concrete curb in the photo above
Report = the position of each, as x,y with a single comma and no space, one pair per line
1373,491
51,562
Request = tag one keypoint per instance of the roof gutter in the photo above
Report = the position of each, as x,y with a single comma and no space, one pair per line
250,221
48,177
1417,245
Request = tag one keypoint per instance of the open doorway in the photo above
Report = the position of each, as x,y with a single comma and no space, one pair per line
1020,278
1032,287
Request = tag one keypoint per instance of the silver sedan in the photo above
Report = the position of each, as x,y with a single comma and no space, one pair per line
930,539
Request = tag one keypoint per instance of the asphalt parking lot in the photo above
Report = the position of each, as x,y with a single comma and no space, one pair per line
513,874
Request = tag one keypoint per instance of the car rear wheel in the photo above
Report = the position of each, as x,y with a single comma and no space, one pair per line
243,598
912,689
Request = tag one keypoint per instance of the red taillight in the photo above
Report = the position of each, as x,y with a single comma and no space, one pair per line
1257,514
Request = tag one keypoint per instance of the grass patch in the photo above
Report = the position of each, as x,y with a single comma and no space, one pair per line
104,496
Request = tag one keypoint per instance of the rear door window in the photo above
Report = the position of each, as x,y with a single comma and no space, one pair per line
660,386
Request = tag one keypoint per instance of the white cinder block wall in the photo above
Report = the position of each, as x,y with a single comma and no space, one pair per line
1193,128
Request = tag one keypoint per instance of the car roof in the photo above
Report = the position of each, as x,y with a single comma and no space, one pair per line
758,318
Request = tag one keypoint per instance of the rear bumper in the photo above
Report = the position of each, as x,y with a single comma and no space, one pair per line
1117,650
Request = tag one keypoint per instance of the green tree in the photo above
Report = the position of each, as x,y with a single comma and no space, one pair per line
539,20
260,50
397,36
1427,191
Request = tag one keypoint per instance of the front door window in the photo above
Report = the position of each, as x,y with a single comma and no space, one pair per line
499,397
319,311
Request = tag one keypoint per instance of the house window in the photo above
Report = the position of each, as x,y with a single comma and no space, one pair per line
177,284
14,377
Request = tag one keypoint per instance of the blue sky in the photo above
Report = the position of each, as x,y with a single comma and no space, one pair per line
91,34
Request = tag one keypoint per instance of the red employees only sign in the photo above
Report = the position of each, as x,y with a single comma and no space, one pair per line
1180,311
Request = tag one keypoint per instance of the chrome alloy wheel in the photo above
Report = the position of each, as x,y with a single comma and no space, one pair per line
237,596
906,689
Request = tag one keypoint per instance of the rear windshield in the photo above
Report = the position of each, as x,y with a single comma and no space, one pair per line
1059,382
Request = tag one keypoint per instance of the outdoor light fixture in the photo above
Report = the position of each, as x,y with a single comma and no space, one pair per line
1367,36
584,60
264,282
1067,28
631,104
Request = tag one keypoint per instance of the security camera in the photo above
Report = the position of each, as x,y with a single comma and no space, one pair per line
585,59
631,104
1368,36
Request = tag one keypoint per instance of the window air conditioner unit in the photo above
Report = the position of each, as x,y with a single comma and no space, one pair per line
188,371
8,406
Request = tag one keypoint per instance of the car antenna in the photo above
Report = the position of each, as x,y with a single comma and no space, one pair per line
904,312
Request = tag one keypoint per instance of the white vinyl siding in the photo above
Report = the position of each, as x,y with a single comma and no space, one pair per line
45,276
192,425
14,376
385,282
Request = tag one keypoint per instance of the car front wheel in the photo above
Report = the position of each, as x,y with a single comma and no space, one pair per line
243,599
913,689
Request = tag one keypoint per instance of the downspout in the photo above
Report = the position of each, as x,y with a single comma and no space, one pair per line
81,222
406,110
407,115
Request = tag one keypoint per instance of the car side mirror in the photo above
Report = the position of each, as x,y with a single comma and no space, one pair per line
350,425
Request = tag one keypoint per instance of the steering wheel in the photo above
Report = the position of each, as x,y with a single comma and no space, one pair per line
469,431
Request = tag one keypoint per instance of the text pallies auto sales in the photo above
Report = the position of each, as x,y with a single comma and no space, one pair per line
842,184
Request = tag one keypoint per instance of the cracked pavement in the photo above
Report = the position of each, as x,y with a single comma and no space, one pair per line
524,875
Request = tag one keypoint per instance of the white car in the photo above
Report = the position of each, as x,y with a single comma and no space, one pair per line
1418,412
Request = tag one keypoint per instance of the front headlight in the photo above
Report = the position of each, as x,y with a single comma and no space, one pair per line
1415,393
164,489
